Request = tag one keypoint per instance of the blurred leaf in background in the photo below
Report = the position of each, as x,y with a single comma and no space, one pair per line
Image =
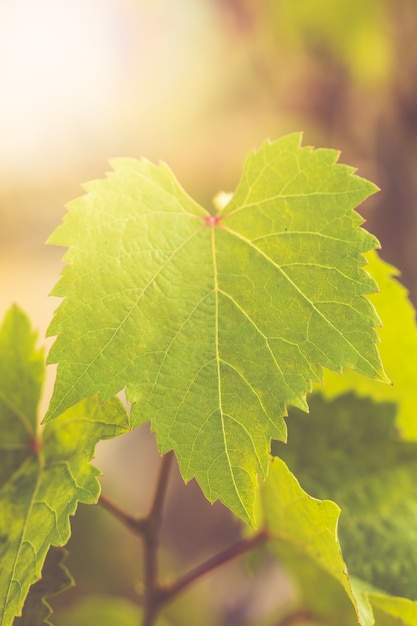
197,83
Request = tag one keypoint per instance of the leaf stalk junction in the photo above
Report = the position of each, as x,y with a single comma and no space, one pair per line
156,595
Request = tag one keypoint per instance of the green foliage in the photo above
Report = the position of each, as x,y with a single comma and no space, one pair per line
398,338
400,610
352,34
215,323
342,444
306,524
55,579
44,474
336,452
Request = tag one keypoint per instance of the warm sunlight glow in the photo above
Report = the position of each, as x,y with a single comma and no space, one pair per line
86,77
57,61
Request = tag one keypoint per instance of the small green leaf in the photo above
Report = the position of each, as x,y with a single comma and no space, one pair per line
302,526
398,349
214,323
22,372
43,474
337,452
350,452
55,579
398,608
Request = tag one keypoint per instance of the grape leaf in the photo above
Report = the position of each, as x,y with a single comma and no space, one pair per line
307,526
387,610
43,474
398,347
353,455
304,534
214,323
317,597
399,608
22,376
55,579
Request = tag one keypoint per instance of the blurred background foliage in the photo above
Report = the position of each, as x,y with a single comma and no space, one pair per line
196,83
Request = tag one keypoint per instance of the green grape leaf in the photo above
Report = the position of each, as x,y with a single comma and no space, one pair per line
398,347
104,610
22,375
398,608
214,323
301,526
352,454
55,579
44,472
304,535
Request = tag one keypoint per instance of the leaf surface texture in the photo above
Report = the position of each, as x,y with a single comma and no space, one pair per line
215,323
350,452
44,472
398,349
55,579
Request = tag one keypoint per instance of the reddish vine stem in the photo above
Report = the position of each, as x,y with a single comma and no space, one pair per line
238,549
161,487
133,523
148,527
152,591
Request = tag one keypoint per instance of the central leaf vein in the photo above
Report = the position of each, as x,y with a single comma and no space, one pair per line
226,446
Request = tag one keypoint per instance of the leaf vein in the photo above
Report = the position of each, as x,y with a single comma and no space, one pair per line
301,293
130,311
